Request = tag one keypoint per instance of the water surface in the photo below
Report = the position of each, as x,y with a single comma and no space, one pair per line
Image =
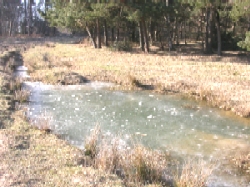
159,121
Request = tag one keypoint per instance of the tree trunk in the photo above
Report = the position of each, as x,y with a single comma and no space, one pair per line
141,36
208,40
99,44
105,34
151,31
11,26
133,38
117,34
185,32
30,18
169,37
1,18
145,35
91,37
174,30
234,28
177,32
217,24
25,17
155,35
160,39
113,34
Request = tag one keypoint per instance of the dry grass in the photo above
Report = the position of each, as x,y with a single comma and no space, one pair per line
14,84
222,82
43,122
194,174
144,165
242,161
52,162
21,95
90,145
29,157
34,158
108,155
140,166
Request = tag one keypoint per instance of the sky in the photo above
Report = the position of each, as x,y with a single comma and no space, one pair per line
36,1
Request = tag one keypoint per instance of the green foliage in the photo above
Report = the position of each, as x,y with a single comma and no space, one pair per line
246,43
240,10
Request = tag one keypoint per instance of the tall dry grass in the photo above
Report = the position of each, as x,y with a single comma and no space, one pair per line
43,122
21,95
222,82
194,174
91,142
139,166
242,161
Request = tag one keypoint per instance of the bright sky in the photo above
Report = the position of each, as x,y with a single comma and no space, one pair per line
36,1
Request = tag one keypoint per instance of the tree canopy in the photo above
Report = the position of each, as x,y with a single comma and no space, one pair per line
146,22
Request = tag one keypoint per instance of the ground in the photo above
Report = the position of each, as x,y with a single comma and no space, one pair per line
31,157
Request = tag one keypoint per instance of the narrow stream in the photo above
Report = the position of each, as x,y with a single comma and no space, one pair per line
189,128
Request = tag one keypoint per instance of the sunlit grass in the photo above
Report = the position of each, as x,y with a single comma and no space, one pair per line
222,82
139,166
194,174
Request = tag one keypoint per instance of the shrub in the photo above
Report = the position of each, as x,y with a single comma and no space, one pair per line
246,43
229,41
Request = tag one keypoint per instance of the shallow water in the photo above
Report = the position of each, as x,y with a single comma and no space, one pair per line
163,122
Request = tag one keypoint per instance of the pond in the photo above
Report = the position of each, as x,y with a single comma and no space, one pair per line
169,122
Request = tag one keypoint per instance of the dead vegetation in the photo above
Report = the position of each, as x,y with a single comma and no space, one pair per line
137,165
49,161
222,82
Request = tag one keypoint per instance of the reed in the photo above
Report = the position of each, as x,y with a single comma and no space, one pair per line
139,166
21,95
91,142
109,155
194,174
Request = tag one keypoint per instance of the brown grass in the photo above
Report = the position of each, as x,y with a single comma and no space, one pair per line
90,145
21,95
30,157
49,161
242,161
194,174
139,166
222,82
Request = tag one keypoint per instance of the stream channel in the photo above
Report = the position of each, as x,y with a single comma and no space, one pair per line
169,122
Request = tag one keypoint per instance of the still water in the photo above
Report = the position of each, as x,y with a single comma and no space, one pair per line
159,121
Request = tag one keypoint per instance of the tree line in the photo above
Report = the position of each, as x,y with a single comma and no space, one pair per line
22,17
217,24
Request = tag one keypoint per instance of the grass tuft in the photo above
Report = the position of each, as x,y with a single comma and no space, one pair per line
90,145
21,95
140,166
194,174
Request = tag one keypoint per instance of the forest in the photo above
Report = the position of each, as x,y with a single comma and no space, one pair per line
217,25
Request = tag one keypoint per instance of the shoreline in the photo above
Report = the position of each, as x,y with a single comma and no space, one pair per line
222,83
43,140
